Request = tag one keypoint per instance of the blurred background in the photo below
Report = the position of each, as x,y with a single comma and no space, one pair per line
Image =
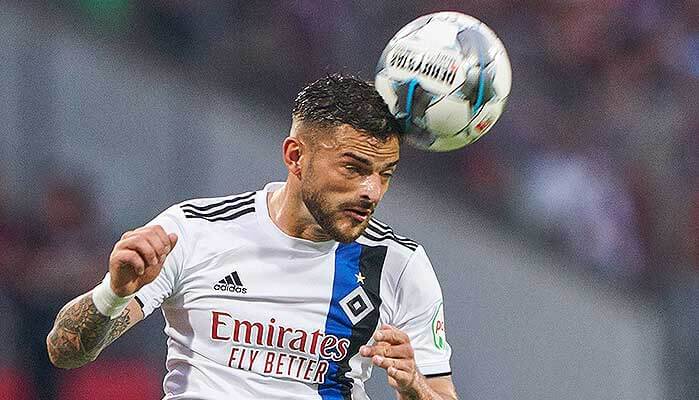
566,240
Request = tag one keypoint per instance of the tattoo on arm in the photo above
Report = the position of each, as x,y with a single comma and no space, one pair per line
81,332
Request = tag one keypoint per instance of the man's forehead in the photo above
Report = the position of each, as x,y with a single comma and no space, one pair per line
349,140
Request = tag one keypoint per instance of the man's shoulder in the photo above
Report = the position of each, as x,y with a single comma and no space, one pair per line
378,233
208,226
213,211
398,254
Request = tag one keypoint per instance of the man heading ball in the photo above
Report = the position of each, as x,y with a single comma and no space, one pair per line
294,291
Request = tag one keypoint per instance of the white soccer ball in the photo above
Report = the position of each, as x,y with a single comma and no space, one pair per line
446,76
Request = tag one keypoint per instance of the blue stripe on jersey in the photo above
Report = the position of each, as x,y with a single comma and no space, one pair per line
337,322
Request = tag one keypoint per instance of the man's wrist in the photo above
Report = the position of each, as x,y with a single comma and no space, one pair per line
106,301
419,390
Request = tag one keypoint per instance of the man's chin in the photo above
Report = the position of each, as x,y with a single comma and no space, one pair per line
349,235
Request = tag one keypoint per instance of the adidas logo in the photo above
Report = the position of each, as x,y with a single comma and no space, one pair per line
231,283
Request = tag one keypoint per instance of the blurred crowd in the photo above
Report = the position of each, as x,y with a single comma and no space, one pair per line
50,254
597,154
602,149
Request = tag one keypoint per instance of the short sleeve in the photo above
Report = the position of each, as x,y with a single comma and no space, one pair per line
420,314
152,295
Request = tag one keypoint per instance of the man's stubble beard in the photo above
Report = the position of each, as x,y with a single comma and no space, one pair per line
320,207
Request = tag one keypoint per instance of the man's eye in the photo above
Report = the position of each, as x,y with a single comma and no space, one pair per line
351,168
387,174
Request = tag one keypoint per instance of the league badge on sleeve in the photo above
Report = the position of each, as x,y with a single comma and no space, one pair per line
438,329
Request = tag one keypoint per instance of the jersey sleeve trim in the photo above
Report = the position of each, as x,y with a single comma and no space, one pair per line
428,376
140,303
432,369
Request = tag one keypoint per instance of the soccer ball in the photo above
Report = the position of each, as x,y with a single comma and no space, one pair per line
446,76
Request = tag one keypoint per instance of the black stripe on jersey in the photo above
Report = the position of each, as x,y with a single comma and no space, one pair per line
225,218
392,236
371,262
382,228
379,223
382,238
376,235
219,212
220,203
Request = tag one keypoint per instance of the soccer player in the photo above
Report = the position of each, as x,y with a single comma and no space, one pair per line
290,292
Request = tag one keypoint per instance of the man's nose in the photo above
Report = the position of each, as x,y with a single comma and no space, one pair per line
370,188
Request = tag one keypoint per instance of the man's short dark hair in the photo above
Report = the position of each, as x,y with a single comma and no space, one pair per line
337,99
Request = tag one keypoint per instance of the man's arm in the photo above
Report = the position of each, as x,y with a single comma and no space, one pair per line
443,386
81,332
92,321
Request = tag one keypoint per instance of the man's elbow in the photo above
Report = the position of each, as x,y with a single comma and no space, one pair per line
55,358
59,363
65,363
56,361
61,360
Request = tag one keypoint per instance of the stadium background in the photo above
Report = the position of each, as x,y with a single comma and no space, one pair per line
566,240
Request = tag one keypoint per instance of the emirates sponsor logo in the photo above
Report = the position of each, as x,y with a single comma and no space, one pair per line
274,349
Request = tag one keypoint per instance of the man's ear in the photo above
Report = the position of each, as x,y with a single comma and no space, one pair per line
292,149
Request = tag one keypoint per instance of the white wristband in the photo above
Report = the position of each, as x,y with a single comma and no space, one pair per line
107,302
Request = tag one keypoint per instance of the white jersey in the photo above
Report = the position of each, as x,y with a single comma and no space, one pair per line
252,313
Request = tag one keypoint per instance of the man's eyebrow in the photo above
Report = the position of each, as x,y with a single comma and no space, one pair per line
357,158
366,161
392,164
